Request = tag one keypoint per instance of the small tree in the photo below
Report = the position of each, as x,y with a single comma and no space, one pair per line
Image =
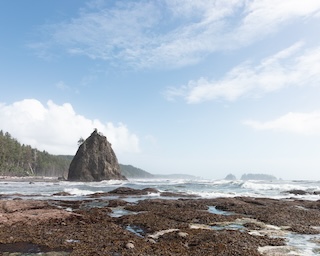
80,141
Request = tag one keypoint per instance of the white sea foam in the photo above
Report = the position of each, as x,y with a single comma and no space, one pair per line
111,182
79,192
160,181
258,186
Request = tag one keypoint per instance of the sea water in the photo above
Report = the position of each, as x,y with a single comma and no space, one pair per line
202,188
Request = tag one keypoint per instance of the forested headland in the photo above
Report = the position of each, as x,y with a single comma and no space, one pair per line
17,159
20,160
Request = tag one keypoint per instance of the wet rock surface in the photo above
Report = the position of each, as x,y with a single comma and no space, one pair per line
159,226
28,248
298,213
132,191
302,192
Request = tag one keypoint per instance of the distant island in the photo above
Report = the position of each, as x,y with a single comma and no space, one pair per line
252,176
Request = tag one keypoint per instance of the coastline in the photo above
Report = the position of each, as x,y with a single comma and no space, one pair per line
184,226
29,178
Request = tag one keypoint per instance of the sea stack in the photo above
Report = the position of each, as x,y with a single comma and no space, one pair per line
95,160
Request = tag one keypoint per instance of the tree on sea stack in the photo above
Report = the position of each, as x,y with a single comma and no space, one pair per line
95,160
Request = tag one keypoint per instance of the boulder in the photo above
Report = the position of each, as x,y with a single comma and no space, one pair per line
95,160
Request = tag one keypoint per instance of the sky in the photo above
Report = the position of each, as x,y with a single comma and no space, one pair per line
206,87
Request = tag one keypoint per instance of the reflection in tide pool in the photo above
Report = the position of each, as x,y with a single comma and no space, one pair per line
214,210
119,211
307,244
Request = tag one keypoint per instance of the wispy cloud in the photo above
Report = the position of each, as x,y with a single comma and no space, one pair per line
170,33
62,86
57,128
293,66
262,17
298,123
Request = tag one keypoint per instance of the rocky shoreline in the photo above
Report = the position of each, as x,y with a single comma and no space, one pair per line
28,179
100,225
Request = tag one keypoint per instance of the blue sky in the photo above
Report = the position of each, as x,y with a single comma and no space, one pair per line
201,87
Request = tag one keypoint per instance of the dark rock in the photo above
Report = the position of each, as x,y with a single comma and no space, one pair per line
176,194
99,194
252,226
62,193
95,160
26,248
297,192
150,190
117,203
302,229
132,191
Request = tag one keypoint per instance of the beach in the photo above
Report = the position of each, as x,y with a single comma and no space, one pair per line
46,216
145,221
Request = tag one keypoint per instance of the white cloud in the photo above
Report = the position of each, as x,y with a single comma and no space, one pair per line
290,67
57,128
108,33
170,33
299,123
262,17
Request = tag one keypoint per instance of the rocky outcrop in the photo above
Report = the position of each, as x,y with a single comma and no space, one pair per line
95,160
254,226
29,211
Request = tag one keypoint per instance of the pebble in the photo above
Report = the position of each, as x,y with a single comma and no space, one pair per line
183,234
150,240
129,245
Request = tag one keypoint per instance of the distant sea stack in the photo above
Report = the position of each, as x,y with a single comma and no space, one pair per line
251,176
95,161
230,177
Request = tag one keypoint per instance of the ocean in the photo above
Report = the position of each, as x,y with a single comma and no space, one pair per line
202,188
305,245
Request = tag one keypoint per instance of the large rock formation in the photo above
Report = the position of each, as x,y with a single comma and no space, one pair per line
95,161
